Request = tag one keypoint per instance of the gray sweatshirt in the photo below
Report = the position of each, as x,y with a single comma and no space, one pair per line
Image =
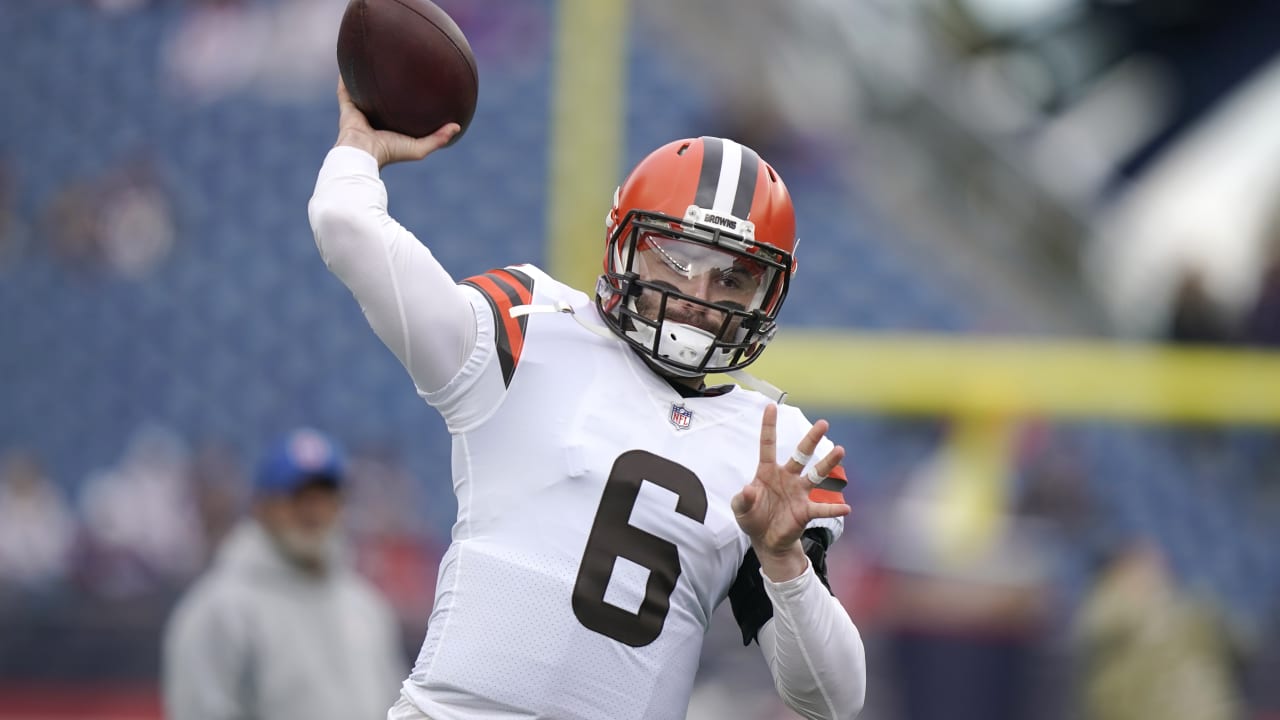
257,638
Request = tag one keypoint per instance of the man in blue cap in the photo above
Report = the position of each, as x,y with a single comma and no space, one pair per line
282,627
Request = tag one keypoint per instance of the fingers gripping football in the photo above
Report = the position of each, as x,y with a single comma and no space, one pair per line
774,508
385,146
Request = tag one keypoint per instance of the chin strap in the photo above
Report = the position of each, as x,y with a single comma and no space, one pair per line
742,377
764,387
522,310
561,306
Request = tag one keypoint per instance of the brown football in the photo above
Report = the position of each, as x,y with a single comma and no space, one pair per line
407,66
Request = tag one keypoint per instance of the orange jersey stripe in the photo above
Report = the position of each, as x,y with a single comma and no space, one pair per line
508,281
502,305
522,291
825,496
830,496
505,289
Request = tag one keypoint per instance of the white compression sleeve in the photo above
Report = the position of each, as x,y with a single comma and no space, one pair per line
411,302
814,651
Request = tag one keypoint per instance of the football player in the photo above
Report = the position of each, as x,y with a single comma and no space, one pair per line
608,500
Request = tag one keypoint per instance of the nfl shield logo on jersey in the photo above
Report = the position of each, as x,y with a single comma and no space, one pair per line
681,416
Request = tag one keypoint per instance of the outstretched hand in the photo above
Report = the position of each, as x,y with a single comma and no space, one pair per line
385,146
774,508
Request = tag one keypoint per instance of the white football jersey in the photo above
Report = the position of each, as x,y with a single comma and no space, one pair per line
594,536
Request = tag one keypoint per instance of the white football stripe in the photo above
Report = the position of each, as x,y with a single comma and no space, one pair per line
727,188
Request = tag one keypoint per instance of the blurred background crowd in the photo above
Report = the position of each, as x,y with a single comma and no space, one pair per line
1102,169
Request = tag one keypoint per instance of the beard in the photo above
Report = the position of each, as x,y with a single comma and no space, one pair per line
697,316
312,549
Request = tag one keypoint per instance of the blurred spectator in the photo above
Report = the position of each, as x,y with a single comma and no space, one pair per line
1262,326
1149,651
383,513
513,34
220,484
8,221
135,219
70,226
1054,491
1196,317
282,627
120,7
282,49
965,588
121,222
140,520
800,84
36,528
1263,691
384,499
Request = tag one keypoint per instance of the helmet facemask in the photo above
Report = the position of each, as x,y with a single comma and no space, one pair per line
689,294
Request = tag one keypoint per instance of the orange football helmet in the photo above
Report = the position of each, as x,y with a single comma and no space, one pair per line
700,246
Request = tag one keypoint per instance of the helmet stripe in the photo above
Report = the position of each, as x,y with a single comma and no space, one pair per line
709,177
727,180
746,191
727,185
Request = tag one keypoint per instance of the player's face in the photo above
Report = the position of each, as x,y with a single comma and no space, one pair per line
721,278
303,523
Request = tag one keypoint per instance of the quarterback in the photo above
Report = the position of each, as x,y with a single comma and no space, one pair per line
608,500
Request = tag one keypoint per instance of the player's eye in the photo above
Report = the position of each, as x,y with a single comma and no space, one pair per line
736,279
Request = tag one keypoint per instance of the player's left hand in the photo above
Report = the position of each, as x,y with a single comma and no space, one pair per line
774,508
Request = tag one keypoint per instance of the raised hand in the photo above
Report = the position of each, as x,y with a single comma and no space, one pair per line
385,146
774,508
